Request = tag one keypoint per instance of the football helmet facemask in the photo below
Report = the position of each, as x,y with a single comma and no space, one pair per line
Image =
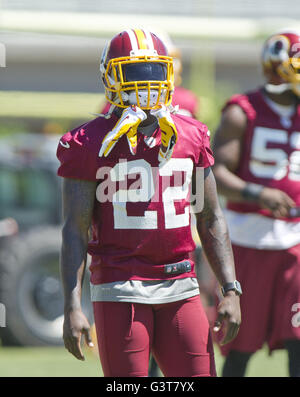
136,70
281,62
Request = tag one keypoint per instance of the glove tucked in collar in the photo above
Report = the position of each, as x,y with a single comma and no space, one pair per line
127,124
168,132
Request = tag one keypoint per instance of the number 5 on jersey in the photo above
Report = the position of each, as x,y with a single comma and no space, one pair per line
274,162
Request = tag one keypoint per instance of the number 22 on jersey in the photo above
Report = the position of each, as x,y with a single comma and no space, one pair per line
146,191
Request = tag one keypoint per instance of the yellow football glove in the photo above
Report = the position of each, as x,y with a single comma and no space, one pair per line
127,124
168,132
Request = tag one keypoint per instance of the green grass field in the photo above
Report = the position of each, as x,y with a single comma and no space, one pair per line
57,362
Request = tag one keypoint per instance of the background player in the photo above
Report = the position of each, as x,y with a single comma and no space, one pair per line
143,284
257,168
186,99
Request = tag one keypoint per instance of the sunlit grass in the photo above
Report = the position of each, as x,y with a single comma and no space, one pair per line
57,362
261,364
46,362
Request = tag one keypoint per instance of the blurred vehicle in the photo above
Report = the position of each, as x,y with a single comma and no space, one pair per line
30,242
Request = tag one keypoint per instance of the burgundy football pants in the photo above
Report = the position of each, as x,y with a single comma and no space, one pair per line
177,333
271,298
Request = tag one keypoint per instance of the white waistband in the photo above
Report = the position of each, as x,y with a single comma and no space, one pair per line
258,231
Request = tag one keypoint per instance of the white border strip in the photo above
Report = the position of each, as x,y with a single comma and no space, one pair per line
110,24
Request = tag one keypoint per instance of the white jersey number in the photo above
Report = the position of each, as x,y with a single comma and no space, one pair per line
275,163
145,191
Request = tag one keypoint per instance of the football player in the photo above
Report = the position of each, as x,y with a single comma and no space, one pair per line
188,104
129,174
257,168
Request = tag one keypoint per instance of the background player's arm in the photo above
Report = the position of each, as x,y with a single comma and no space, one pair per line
213,232
227,152
78,201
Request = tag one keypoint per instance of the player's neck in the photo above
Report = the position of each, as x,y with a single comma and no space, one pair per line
148,126
287,98
149,120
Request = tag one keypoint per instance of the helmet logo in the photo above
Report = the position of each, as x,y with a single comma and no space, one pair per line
281,62
277,48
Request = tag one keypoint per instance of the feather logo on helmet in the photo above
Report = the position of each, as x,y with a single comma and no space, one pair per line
281,62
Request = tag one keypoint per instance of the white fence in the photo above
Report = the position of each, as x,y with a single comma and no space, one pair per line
197,8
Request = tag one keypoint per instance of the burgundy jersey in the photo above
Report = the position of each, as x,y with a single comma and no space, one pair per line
270,151
141,217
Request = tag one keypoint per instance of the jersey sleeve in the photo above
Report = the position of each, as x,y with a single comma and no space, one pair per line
206,158
243,102
77,156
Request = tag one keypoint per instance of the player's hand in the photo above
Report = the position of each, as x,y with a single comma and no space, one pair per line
168,132
127,124
277,201
76,324
229,314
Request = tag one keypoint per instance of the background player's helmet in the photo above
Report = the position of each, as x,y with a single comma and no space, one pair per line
174,52
281,62
136,70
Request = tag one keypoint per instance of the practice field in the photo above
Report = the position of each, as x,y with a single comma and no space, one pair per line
57,362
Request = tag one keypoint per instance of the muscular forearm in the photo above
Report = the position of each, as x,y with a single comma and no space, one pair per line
234,188
228,183
73,264
215,240
213,232
78,201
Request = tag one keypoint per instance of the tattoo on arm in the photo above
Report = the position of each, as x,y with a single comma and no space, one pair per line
78,202
213,232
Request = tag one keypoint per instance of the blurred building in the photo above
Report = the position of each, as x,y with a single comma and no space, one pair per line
55,46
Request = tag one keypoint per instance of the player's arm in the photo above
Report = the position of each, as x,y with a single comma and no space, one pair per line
212,229
78,200
227,150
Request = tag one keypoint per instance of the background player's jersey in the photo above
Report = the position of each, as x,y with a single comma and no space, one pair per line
145,223
270,151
